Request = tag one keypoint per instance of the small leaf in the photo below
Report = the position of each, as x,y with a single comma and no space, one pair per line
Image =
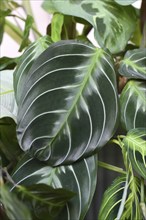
7,104
13,207
28,25
133,105
8,63
80,178
135,144
56,26
134,64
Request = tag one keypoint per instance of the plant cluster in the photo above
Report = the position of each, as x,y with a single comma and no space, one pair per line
63,100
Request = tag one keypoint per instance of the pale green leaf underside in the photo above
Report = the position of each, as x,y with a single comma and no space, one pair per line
112,22
79,178
64,112
125,2
8,107
135,143
134,64
133,105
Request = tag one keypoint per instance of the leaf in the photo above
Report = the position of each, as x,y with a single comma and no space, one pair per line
114,198
26,61
133,64
64,93
112,22
8,63
28,25
79,178
13,207
125,2
133,105
46,201
8,141
3,14
135,144
56,27
7,104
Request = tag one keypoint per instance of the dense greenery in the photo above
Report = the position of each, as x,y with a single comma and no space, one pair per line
63,100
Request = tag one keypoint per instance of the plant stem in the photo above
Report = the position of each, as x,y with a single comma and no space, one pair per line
142,202
111,167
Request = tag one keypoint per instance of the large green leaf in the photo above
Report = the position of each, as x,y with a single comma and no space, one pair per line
133,105
125,2
135,143
7,100
134,64
112,22
65,111
121,200
79,178
26,61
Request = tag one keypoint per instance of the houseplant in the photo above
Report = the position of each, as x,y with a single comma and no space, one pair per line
69,99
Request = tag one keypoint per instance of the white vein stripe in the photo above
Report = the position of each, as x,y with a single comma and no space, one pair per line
89,176
135,115
22,166
48,73
68,212
44,93
135,61
134,54
79,190
125,109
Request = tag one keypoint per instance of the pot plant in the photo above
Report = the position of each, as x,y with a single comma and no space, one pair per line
63,100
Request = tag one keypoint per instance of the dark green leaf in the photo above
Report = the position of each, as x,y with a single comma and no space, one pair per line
79,178
134,64
56,26
26,61
133,105
64,93
8,63
8,141
112,22
28,25
125,2
135,144
7,100
13,207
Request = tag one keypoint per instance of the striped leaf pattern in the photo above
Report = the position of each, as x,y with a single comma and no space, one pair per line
112,22
8,106
64,112
26,61
134,64
133,105
135,143
79,178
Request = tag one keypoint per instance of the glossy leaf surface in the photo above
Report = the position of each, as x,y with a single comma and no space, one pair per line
135,143
134,64
65,112
106,16
26,61
8,107
133,105
79,178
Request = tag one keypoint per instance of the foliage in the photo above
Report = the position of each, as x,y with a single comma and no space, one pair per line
63,100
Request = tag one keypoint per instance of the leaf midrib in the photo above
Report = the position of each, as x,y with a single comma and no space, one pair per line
131,63
91,67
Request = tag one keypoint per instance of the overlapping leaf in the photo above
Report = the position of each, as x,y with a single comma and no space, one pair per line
8,107
133,105
26,61
79,178
65,112
135,143
125,2
112,22
134,64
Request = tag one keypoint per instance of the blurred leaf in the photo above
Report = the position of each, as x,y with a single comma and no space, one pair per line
135,144
79,178
8,141
103,15
137,35
125,2
56,26
13,207
28,25
8,63
134,64
3,14
133,105
7,104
